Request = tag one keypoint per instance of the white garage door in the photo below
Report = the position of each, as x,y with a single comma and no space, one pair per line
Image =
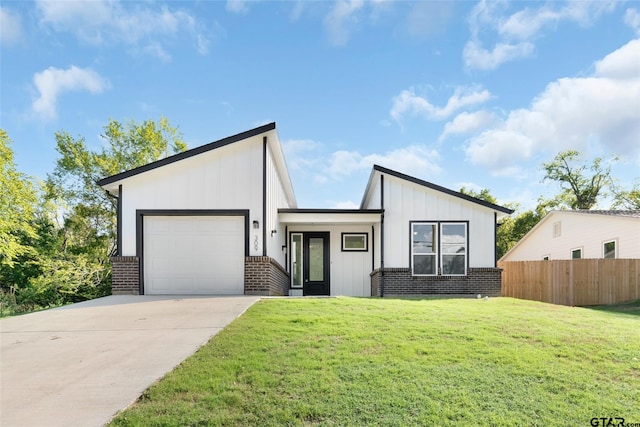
193,255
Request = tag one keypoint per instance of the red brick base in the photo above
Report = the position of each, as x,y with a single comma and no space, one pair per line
125,277
264,276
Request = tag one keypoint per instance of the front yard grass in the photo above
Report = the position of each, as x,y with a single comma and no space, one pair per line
356,361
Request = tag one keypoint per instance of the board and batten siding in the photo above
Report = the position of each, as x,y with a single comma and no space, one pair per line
276,199
405,201
349,271
588,231
228,177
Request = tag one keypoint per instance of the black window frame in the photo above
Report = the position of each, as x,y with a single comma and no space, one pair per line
438,245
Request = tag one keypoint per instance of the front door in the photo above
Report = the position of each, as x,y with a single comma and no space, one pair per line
315,272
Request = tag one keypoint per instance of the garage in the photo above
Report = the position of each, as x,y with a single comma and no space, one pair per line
193,255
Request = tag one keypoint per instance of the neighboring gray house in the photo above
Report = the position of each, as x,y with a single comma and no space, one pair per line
580,234
222,219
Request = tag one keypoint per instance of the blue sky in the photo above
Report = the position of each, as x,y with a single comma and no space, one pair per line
474,94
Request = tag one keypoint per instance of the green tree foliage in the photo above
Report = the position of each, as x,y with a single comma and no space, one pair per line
627,199
511,228
18,200
91,217
581,184
44,263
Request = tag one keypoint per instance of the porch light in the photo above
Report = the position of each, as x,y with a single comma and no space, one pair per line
273,232
256,224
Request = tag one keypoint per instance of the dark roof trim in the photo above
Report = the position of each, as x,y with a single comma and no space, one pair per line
441,189
189,153
331,211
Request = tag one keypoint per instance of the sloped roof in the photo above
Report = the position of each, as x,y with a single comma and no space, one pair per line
432,186
186,154
632,213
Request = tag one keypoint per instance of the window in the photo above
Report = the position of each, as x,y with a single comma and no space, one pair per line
423,248
609,249
545,258
438,248
356,242
576,253
453,247
296,260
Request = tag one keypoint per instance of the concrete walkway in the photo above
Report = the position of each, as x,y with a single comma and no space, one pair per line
79,365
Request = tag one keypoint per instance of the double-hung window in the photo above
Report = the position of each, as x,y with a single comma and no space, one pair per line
439,248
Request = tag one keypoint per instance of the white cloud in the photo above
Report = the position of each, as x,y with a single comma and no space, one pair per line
416,160
408,103
516,32
428,17
339,21
477,57
52,82
601,111
10,27
466,123
632,19
155,49
526,23
239,7
106,22
623,63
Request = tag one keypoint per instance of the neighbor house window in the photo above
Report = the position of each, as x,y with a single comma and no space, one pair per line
357,242
545,258
609,249
576,253
438,248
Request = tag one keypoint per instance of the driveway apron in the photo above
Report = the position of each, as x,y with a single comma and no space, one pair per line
79,365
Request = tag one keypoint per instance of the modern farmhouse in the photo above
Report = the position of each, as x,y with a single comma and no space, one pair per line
222,219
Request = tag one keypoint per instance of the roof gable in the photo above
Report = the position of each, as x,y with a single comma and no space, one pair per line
383,170
187,154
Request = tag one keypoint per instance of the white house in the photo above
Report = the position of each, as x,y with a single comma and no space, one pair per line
580,234
222,219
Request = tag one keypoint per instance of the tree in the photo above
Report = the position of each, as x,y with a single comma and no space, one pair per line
627,200
18,200
512,228
90,220
581,184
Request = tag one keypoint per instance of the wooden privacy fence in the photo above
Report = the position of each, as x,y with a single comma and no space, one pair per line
572,282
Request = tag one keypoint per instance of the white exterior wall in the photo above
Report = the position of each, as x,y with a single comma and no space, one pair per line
405,201
349,270
228,177
276,199
579,230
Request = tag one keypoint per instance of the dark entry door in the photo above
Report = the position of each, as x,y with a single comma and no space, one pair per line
316,264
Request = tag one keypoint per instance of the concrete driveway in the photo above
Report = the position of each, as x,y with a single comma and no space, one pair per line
79,365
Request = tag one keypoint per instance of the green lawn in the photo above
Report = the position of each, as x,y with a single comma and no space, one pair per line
395,362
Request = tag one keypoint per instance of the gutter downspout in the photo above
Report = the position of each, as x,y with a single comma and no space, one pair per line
495,239
382,236
264,196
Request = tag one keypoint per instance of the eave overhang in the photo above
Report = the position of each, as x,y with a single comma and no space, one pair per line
329,216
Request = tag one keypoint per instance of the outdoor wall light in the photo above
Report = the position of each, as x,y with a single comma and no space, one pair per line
256,224
273,232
